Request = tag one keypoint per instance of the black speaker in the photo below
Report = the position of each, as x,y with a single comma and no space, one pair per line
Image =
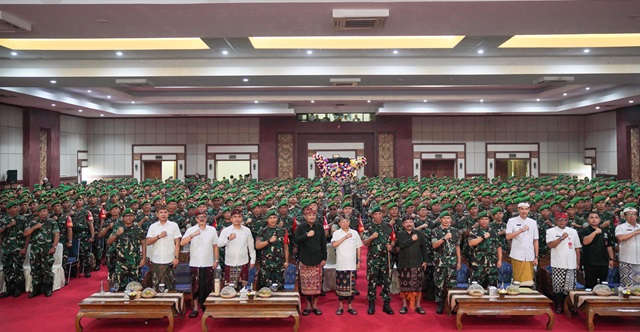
12,176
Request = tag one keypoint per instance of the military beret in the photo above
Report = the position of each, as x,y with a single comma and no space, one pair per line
41,207
201,203
570,206
472,205
408,204
282,203
598,199
56,202
128,211
270,213
171,200
495,210
255,204
157,198
226,209
545,207
146,201
447,206
375,209
392,205
112,206
421,206
191,206
133,202
444,214
483,214
12,204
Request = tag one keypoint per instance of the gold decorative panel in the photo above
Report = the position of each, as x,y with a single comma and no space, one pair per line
385,155
180,156
285,156
310,153
136,156
44,140
359,152
417,155
253,156
635,154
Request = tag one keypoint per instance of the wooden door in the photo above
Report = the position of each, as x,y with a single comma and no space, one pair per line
152,170
501,168
438,168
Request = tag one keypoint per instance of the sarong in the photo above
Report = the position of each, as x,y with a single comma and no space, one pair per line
163,274
522,272
629,274
563,280
236,275
345,284
411,279
310,279
201,282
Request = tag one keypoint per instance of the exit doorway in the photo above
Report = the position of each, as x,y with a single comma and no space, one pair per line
438,168
161,170
512,167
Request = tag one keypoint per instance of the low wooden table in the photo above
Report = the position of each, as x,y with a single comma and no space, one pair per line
279,305
114,305
592,305
524,304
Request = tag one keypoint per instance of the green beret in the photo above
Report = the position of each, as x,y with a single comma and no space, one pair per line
483,214
408,204
270,213
444,214
112,206
282,203
201,203
375,209
330,204
545,207
421,206
570,206
191,206
447,206
171,200
495,210
346,204
12,204
55,202
133,202
472,205
392,205
128,211
226,209
146,201
157,198
255,204
599,199
41,207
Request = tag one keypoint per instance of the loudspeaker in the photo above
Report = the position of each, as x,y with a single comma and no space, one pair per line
12,176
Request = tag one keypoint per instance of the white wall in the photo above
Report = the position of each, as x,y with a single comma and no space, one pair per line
561,138
73,137
10,140
110,140
600,133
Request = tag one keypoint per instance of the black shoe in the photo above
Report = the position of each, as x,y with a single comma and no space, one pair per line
17,291
47,290
339,311
372,307
316,311
440,308
420,311
352,311
96,268
10,290
306,312
87,274
356,293
403,310
35,292
386,308
5,294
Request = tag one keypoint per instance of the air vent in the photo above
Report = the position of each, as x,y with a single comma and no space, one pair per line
358,19
345,81
133,82
10,24
554,79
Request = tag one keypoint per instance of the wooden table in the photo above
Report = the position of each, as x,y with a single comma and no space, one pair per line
524,304
592,305
279,305
114,305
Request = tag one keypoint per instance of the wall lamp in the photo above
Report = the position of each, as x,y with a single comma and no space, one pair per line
310,166
210,166
417,166
136,167
490,165
534,164
254,167
180,166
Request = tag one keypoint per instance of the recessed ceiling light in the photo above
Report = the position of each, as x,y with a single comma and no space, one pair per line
395,51
14,53
80,111
424,100
587,88
101,114
133,102
313,101
53,105
245,80
119,53
368,101
564,94
538,99
630,101
109,97
53,81
482,100
586,50
255,101
89,91
225,52
597,107
309,52
480,51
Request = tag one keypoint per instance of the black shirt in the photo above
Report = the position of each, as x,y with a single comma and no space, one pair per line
595,253
311,250
412,253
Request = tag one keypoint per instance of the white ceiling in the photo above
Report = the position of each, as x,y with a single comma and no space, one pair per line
206,82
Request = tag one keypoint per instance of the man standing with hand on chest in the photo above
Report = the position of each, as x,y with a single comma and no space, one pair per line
523,233
164,235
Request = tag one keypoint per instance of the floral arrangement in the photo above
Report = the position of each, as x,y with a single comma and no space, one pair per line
341,170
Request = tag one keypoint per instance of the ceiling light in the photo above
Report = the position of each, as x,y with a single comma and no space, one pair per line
53,81
368,101
564,94
424,100
133,102
586,50
14,53
538,99
101,114
309,52
119,53
255,101
395,51
597,107
102,44
587,88
584,41
225,52
630,101
109,97
53,105
89,91
80,111
480,51
313,101
355,42
482,100
245,80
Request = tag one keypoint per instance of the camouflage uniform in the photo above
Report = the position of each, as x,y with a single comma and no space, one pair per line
180,220
484,257
445,260
81,219
611,230
273,258
220,225
127,255
42,241
498,227
13,240
61,219
111,253
577,220
287,223
151,218
97,247
378,269
543,249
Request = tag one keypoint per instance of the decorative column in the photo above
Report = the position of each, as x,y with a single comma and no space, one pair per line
385,155
285,156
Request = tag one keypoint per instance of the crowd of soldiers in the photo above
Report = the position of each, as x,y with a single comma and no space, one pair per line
451,221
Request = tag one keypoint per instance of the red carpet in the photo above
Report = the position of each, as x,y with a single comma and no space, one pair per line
57,313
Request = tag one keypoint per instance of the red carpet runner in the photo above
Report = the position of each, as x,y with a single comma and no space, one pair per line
57,313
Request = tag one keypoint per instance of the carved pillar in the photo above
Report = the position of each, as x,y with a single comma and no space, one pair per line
635,153
285,156
385,155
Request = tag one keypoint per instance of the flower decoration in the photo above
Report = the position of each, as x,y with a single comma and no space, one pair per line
339,169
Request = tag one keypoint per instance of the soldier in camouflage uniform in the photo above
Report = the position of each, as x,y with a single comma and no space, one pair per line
223,222
14,248
380,238
607,219
43,234
486,252
545,222
64,225
500,227
128,245
274,243
145,217
107,231
445,241
99,215
83,230
574,220
172,207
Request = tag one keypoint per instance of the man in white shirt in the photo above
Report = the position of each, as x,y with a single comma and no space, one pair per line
628,236
565,245
203,259
240,252
347,243
523,233
164,236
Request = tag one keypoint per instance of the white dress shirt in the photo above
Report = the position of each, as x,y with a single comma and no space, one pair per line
240,250
346,252
164,248
563,256
630,249
201,249
522,245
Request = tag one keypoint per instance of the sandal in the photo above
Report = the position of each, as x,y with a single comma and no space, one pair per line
352,311
193,314
420,311
317,311
403,310
306,312
339,311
